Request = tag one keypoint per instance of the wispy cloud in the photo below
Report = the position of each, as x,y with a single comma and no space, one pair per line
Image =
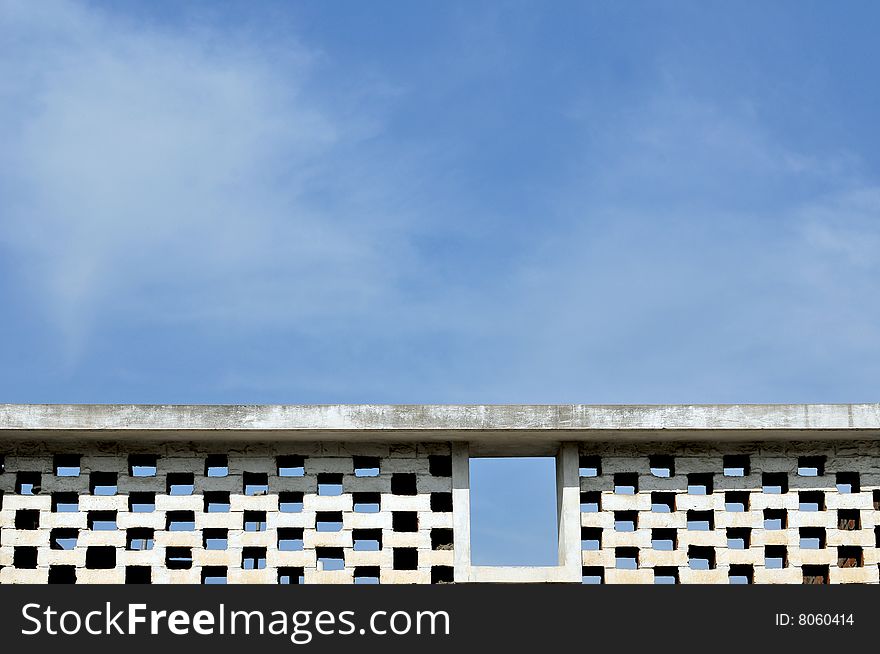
204,175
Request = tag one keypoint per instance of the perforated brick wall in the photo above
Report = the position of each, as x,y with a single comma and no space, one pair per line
757,513
190,513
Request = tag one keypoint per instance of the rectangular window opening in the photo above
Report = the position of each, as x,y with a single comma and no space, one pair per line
513,510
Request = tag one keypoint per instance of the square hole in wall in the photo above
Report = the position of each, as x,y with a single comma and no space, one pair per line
328,521
775,557
592,575
662,502
736,465
811,538
591,539
591,502
290,576
849,519
253,558
848,482
180,521
180,483
815,574
404,483
291,465
216,539
214,575
736,501
442,574
626,483
330,558
62,574
626,558
329,483
138,574
101,520
367,540
440,465
774,483
739,538
255,483
441,502
665,575
178,558
589,465
370,502
63,538
142,465
811,501
406,521
850,556
513,511
700,483
662,465
141,502
775,519
626,521
664,540
216,465
811,466
103,484
27,519
24,557
27,483
254,520
139,539
741,574
66,465
366,466
217,502
700,520
701,558
366,574
441,538
405,558
100,557
290,502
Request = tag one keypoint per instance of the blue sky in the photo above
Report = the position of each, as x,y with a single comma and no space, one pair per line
246,202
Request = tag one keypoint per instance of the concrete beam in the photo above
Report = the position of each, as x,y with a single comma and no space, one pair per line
518,426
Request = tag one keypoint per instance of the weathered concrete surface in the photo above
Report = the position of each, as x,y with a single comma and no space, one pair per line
520,426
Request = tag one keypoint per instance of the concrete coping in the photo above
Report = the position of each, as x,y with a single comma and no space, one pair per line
514,424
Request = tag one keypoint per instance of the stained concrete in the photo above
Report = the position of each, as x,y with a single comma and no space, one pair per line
489,428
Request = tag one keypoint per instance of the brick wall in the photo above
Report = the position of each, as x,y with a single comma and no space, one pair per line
758,513
343,513
187,513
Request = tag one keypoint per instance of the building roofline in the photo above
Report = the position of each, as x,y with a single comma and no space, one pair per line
519,423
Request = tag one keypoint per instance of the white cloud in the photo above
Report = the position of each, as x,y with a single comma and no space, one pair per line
196,175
